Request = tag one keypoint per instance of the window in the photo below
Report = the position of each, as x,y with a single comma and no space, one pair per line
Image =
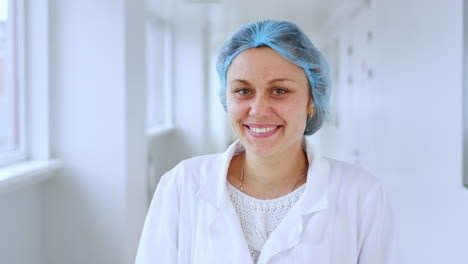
25,156
12,141
465,95
159,72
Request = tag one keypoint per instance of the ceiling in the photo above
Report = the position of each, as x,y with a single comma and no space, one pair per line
310,15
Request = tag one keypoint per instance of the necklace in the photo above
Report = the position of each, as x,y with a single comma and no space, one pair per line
241,181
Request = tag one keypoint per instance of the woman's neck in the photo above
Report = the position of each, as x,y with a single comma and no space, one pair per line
274,176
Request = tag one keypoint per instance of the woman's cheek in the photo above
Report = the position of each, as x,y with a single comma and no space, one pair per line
236,108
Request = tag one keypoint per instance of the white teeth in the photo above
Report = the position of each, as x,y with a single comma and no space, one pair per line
262,130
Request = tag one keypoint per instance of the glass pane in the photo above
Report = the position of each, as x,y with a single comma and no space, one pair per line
9,140
155,65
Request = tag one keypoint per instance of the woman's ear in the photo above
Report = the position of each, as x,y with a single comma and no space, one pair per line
311,108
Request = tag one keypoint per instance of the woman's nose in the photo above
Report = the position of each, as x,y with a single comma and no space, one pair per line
260,107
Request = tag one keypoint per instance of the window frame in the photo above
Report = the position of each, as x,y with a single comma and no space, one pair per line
38,165
16,12
154,20
465,96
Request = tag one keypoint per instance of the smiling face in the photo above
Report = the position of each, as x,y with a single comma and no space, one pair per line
268,100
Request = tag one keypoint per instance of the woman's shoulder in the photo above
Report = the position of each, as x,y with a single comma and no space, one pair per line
352,177
357,191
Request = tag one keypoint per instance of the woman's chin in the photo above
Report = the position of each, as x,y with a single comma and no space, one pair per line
261,150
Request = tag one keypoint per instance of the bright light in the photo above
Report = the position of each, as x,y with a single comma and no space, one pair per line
3,10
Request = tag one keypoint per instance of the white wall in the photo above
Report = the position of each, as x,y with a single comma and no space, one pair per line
20,225
350,134
420,133
94,208
417,123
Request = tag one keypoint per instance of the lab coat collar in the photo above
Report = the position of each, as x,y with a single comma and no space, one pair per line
315,196
213,184
213,188
314,199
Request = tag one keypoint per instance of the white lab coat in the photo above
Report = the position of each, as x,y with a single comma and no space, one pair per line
343,217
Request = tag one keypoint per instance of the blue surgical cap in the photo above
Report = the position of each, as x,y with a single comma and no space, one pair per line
289,41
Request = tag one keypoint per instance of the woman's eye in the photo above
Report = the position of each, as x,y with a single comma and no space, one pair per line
243,91
279,91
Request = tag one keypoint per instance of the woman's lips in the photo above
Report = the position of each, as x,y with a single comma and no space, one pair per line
262,130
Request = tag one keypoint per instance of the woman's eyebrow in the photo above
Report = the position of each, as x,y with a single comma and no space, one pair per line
240,81
281,80
269,82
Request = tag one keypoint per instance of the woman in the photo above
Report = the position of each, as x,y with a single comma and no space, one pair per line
270,198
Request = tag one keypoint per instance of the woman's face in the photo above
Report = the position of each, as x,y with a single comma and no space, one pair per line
268,100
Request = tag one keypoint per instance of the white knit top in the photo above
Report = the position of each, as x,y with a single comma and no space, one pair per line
258,218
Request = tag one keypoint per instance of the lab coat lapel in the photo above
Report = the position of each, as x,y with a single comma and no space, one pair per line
314,199
225,235
213,184
285,236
